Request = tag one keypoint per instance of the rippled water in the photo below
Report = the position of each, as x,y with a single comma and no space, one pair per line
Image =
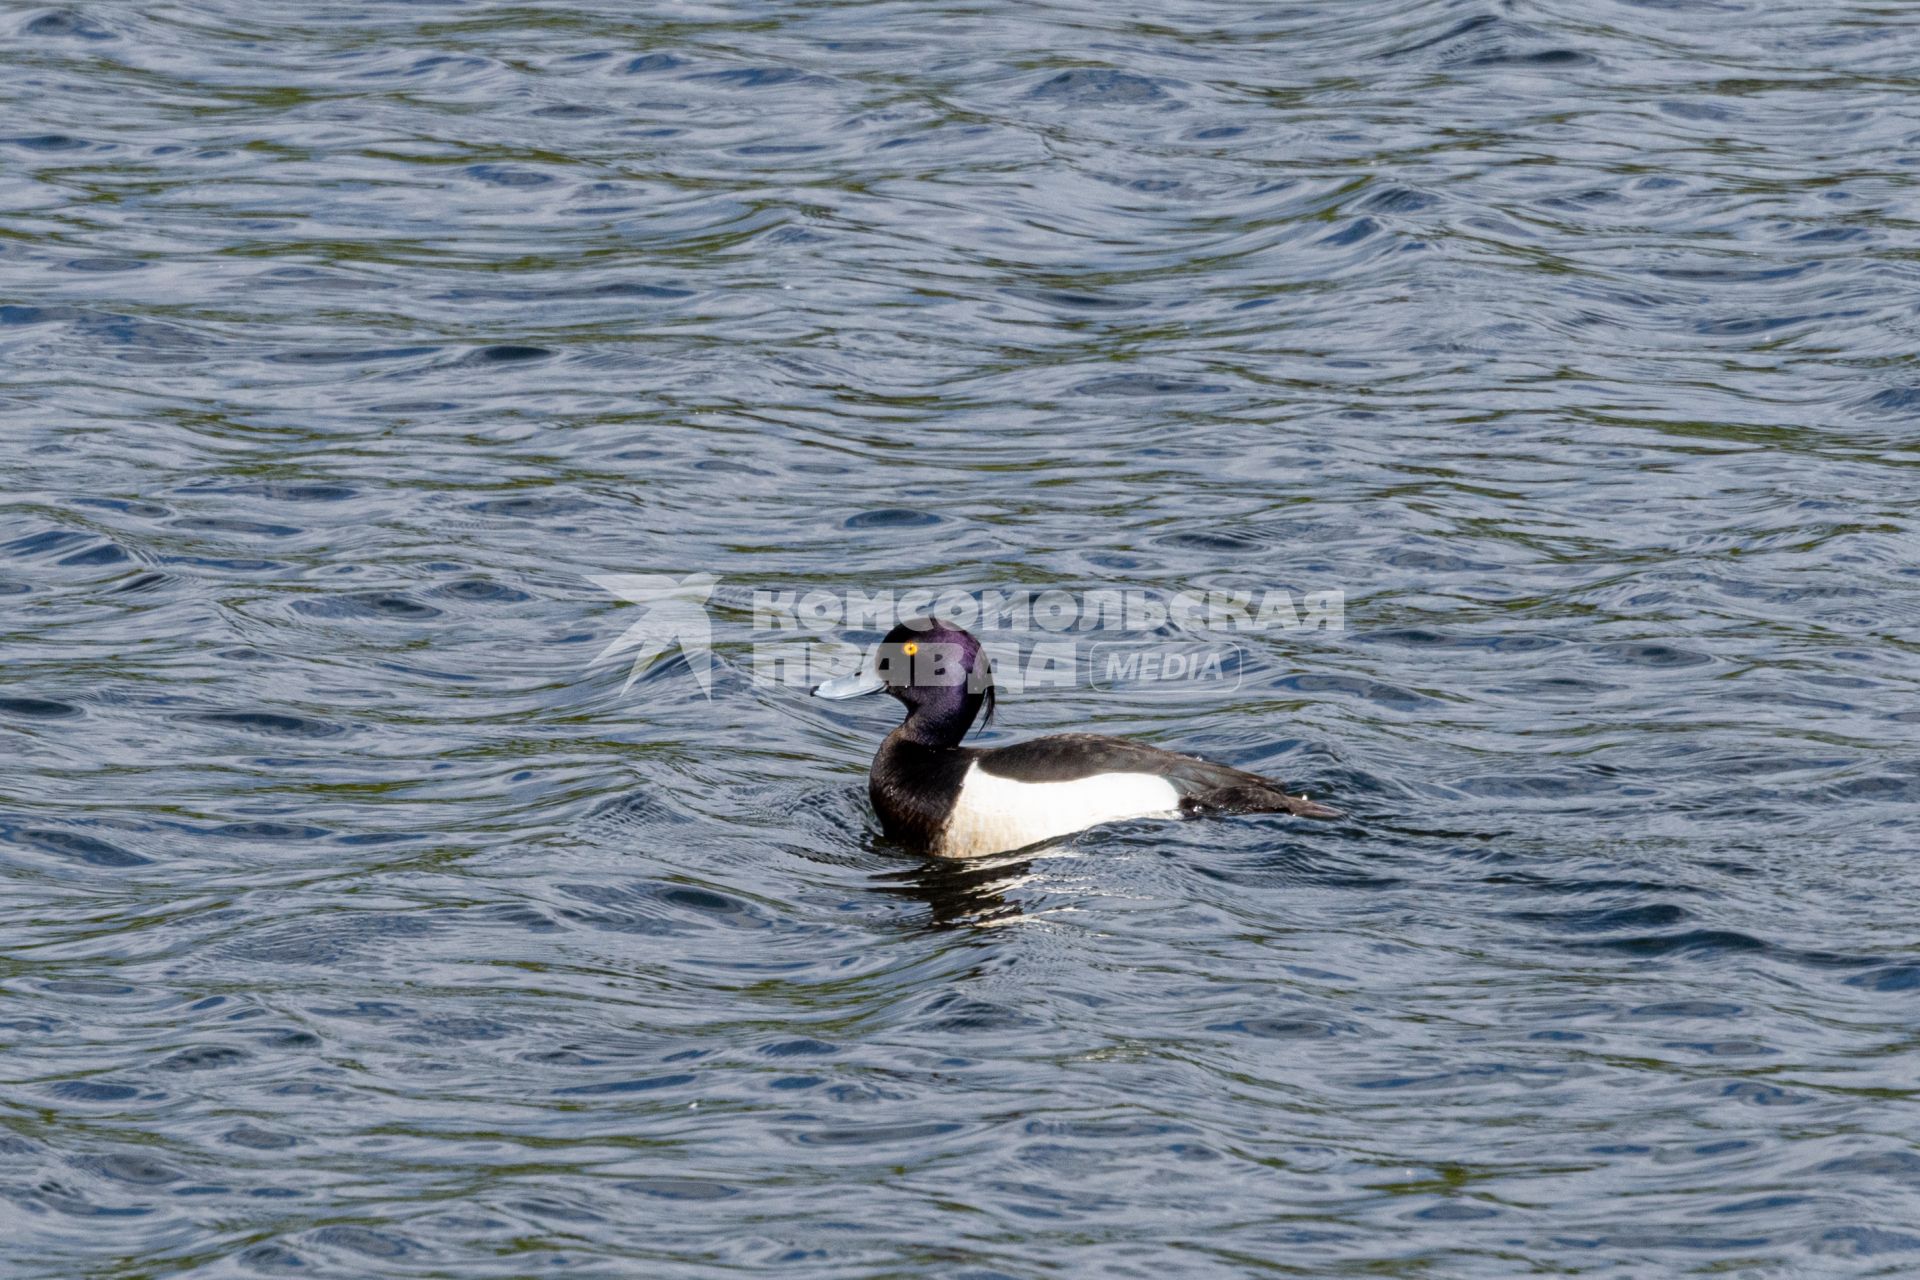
354,926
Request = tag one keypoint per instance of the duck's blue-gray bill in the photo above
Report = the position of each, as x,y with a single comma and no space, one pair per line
851,686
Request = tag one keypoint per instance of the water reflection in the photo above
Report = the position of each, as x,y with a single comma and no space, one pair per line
963,893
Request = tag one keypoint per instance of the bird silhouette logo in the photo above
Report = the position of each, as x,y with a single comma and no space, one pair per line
676,616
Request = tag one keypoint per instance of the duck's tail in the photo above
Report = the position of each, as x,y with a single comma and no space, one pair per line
1260,796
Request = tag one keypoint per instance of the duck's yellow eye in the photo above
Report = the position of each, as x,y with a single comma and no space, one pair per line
909,648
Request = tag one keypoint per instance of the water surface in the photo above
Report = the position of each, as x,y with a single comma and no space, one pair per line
355,926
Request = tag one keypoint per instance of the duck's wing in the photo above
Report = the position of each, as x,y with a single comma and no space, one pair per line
1203,785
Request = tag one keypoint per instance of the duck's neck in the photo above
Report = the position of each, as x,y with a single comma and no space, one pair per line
940,718
941,728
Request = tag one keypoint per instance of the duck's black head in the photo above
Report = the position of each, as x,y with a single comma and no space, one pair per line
942,675
939,670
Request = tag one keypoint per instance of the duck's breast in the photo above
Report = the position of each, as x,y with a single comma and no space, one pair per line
994,813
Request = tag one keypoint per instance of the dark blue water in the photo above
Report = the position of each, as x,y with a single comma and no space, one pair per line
354,925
